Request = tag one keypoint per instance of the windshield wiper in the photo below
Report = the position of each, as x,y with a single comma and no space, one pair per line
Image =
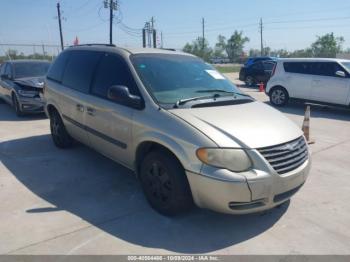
184,101
222,91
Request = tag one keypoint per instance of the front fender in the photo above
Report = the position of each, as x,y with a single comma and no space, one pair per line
184,151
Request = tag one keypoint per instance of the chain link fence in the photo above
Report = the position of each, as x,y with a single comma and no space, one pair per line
12,51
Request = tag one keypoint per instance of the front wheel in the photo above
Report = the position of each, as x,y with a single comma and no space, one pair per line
165,184
59,133
279,96
16,105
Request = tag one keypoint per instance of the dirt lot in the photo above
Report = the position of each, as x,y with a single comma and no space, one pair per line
78,202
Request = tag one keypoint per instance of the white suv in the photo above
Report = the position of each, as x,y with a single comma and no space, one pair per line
323,80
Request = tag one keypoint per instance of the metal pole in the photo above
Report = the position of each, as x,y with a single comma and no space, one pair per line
59,24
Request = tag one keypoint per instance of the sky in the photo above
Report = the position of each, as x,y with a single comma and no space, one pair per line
289,25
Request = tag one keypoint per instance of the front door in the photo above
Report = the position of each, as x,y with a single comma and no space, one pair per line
110,123
327,86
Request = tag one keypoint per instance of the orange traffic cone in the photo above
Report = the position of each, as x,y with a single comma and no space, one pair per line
306,126
261,87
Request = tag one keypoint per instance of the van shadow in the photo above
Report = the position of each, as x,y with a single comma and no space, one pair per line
8,114
109,197
317,111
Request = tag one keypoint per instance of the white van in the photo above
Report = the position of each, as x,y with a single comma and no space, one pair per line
324,80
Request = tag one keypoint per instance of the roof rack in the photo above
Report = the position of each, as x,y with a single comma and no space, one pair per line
113,45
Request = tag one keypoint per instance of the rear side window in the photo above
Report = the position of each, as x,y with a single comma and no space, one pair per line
298,67
80,69
57,68
326,68
268,66
112,70
257,66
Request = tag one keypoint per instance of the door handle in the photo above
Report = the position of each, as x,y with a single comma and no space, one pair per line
80,108
90,111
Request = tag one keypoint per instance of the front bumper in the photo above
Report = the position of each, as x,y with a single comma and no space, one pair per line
31,105
254,191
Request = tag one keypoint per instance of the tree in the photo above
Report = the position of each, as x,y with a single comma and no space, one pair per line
196,48
327,46
234,45
220,47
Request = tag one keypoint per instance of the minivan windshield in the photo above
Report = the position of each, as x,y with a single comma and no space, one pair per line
174,78
30,69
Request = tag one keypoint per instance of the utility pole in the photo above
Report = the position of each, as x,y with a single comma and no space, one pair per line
203,38
144,37
261,37
60,24
110,22
113,6
154,33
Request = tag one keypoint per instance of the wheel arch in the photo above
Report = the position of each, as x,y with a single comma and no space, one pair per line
148,146
278,86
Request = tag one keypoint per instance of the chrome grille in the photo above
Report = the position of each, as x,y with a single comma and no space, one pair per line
286,157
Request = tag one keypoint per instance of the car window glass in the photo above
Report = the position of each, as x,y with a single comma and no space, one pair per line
2,69
298,67
326,68
57,68
257,66
79,70
268,66
112,70
30,69
8,70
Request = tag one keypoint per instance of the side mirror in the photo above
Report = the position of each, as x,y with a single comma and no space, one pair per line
121,95
340,74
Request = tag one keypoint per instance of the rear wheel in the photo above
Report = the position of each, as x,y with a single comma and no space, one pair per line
279,96
250,81
16,105
59,133
165,184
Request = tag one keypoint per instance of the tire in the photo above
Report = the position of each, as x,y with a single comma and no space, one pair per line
165,184
59,134
250,81
16,105
279,96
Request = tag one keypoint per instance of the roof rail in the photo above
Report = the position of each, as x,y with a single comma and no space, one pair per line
169,49
113,45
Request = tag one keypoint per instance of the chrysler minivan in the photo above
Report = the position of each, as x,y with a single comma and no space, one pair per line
320,80
186,131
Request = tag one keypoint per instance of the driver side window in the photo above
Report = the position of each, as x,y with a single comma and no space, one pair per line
112,70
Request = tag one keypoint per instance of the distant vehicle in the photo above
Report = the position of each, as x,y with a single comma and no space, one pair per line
325,81
219,60
188,133
21,83
253,60
257,72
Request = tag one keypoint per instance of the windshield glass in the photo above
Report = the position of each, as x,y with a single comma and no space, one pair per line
346,65
171,78
30,69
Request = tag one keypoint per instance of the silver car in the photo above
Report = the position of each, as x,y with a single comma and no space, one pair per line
188,133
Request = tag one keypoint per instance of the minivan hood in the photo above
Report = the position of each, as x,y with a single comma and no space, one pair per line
249,125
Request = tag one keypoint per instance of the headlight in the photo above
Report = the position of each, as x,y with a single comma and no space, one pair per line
28,93
232,159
